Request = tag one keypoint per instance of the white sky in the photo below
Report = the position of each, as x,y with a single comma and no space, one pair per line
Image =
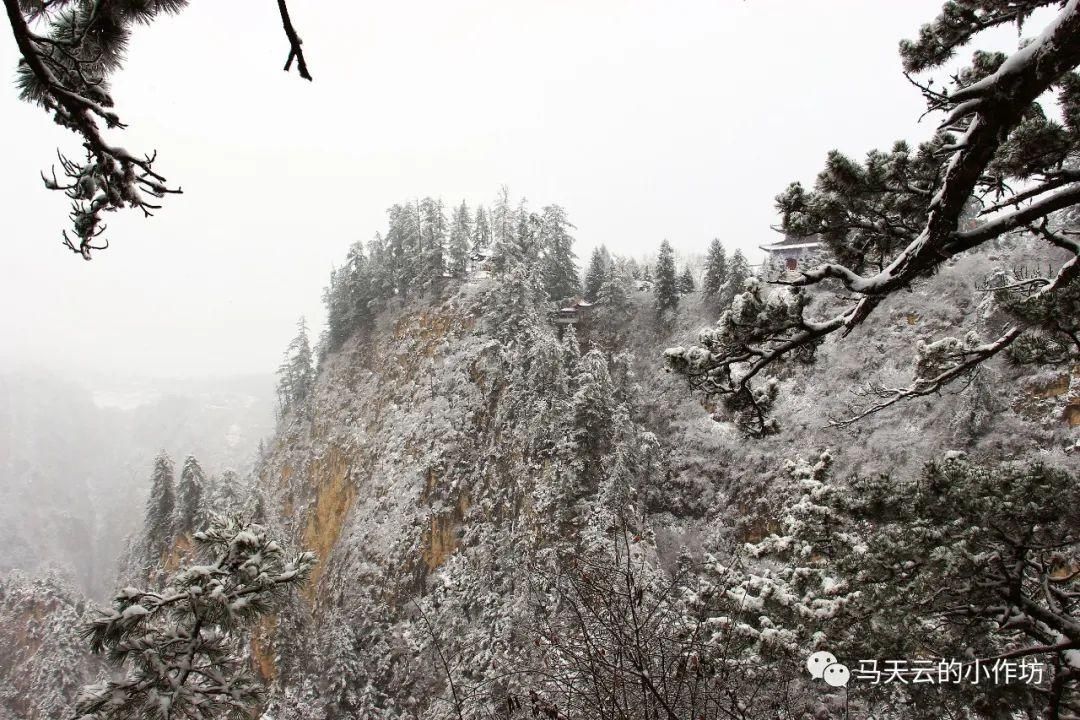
644,119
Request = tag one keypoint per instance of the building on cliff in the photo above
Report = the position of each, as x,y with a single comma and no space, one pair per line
573,313
792,252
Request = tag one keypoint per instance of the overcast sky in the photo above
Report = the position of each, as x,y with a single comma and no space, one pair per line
645,120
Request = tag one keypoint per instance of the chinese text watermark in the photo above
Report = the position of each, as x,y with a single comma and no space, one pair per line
823,665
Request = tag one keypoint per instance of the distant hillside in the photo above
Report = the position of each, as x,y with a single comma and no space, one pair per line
75,461
43,661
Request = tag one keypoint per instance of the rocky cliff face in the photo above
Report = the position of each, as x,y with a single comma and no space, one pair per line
440,458
43,661
416,476
428,476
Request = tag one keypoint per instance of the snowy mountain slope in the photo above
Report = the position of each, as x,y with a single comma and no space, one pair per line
430,467
420,476
1007,411
441,459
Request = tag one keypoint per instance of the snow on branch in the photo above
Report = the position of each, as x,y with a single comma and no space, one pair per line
64,69
953,359
992,108
962,560
861,211
966,358
55,76
179,645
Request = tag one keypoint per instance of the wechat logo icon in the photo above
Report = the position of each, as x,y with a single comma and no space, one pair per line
822,665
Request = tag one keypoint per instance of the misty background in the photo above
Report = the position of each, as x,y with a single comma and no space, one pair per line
642,119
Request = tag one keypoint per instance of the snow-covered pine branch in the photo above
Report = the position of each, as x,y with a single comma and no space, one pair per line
68,50
896,218
180,647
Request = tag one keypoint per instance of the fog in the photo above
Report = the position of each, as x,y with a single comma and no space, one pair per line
472,501
646,120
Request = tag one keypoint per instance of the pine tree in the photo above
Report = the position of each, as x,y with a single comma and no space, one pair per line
616,291
225,494
510,238
296,375
715,269
883,567
527,234
381,270
434,233
359,295
405,247
737,274
615,306
158,527
519,297
567,388
355,291
460,232
180,647
686,282
748,406
481,237
189,496
336,323
398,253
517,305
503,218
571,355
599,266
593,407
542,370
667,292
558,267
348,298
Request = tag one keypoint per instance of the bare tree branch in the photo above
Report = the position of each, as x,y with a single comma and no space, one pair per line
295,50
